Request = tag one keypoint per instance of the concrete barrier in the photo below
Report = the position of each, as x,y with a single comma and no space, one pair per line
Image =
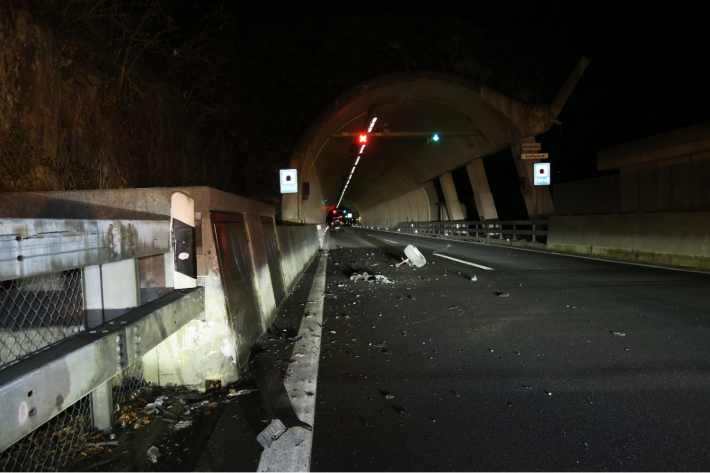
298,245
216,346
677,239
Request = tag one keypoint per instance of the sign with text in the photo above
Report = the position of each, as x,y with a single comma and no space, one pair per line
542,174
289,183
533,156
530,147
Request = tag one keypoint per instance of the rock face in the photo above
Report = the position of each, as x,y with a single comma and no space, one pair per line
70,122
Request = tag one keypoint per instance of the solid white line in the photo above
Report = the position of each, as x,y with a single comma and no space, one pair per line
390,241
284,455
462,261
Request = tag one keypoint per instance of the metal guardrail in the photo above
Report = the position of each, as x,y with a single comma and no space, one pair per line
509,229
40,387
60,373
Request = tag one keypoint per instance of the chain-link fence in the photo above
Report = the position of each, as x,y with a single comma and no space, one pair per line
128,383
57,441
50,446
39,311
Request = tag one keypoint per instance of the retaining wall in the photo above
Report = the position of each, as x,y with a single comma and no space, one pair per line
678,239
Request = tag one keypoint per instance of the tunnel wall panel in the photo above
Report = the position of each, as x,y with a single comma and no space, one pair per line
677,239
412,207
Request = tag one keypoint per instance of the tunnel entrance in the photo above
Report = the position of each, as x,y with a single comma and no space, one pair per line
378,148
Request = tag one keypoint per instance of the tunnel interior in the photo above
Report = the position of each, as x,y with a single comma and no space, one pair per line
399,155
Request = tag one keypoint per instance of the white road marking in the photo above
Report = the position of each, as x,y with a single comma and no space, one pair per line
284,455
462,261
390,241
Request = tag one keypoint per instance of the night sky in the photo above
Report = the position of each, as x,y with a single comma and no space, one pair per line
649,70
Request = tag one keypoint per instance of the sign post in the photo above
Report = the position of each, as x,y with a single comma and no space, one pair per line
289,183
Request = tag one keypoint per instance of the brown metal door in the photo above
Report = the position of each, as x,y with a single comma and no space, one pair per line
272,256
237,278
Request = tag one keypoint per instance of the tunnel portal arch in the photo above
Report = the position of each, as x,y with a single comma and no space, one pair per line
391,181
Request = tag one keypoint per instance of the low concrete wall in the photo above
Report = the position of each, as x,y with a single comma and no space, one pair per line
298,246
677,239
211,348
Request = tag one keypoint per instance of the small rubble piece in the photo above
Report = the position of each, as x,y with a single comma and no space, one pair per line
152,454
455,394
271,433
371,278
501,294
183,424
474,279
241,392
159,402
571,306
526,386
297,441
149,408
619,334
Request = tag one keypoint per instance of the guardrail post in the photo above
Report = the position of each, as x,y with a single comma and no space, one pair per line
514,234
534,237
120,291
500,235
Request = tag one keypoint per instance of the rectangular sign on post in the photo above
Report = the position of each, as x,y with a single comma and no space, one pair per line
533,156
542,174
530,147
289,183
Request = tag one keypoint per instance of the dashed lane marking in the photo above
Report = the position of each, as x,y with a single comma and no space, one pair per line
462,261
390,241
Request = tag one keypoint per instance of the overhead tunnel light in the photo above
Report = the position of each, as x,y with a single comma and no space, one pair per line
372,124
357,160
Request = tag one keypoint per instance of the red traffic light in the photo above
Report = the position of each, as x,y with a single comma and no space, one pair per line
363,139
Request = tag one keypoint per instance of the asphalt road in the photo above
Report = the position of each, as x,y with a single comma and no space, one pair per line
536,380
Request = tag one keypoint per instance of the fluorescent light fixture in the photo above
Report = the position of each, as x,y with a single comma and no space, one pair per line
357,160
372,124
362,149
352,170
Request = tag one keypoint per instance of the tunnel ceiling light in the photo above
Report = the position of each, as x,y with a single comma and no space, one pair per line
362,149
357,160
352,170
372,124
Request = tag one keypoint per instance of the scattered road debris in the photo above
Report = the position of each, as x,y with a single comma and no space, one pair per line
274,398
153,454
414,257
571,306
619,334
272,432
241,392
371,278
474,279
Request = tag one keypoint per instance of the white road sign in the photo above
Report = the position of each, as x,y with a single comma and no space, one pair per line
533,156
289,183
542,174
